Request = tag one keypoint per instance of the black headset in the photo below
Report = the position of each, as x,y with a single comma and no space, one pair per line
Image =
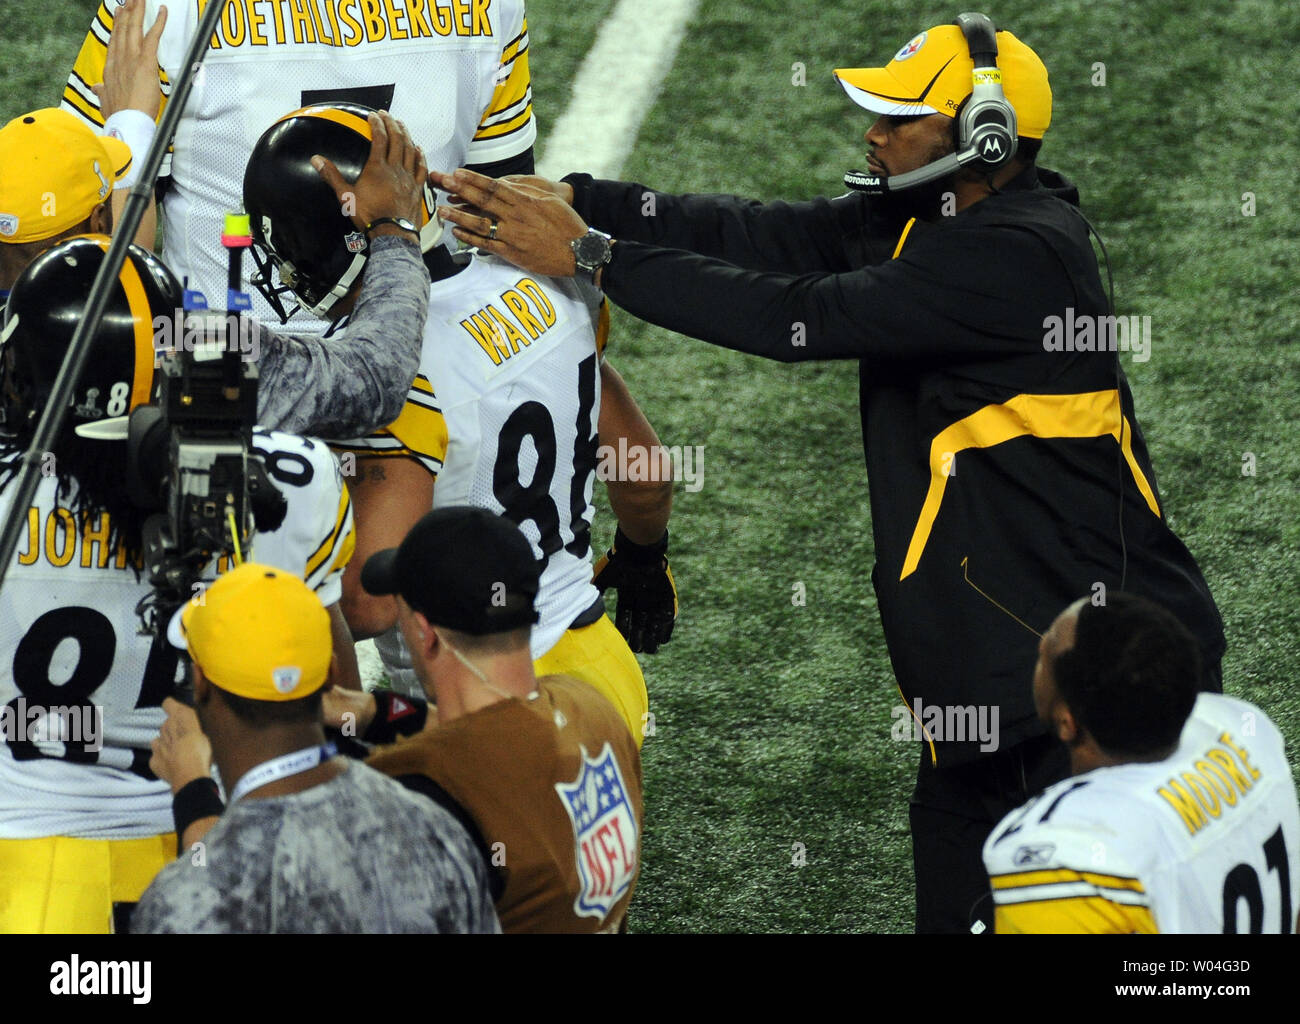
986,123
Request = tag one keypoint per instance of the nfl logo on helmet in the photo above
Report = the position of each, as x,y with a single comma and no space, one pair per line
604,826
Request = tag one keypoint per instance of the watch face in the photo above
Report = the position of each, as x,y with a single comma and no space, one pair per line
591,251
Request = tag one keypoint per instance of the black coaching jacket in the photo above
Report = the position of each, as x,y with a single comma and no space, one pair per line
1000,448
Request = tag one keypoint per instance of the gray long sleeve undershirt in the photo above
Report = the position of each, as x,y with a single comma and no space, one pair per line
357,381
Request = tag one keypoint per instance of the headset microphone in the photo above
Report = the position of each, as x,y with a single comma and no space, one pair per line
879,184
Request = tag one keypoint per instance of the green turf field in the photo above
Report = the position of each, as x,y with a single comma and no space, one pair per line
773,721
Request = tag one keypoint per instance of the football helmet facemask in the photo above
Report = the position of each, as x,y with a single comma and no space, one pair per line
298,226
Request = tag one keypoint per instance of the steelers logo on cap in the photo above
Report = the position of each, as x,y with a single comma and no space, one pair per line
911,48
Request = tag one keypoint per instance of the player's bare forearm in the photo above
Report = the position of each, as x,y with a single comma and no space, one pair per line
195,832
642,506
344,671
147,233
641,495
388,495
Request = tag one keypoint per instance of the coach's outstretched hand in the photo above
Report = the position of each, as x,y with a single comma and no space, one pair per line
392,182
562,189
527,222
647,592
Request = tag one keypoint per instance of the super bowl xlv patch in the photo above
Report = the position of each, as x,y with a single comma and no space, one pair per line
605,833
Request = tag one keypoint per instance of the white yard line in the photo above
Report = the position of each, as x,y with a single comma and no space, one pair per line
616,84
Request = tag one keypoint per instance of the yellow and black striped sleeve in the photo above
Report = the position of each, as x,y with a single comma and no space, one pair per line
419,433
88,70
509,113
1065,901
333,553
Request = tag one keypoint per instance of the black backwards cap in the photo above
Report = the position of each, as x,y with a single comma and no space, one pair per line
463,568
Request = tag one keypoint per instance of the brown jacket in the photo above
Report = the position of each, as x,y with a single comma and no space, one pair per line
553,784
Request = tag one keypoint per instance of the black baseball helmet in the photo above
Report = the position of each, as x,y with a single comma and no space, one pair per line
298,226
44,308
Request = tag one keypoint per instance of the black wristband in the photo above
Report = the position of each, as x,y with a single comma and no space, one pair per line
640,554
395,716
194,800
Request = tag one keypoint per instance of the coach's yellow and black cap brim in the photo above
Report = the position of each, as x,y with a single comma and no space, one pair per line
54,170
257,632
931,74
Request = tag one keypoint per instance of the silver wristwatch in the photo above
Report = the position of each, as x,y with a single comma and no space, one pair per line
592,251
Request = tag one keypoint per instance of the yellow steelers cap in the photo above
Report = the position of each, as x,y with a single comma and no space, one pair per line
259,633
54,170
931,74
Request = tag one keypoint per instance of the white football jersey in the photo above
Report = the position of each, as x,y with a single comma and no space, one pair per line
70,637
504,413
1207,841
454,71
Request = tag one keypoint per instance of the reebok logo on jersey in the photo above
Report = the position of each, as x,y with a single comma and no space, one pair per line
1029,856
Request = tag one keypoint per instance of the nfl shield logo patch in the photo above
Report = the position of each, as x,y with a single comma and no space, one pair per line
356,241
286,677
604,827
8,224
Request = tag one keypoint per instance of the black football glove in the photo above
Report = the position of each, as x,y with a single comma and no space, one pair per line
647,595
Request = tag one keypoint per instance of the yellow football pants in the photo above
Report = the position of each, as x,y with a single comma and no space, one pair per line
599,656
68,886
